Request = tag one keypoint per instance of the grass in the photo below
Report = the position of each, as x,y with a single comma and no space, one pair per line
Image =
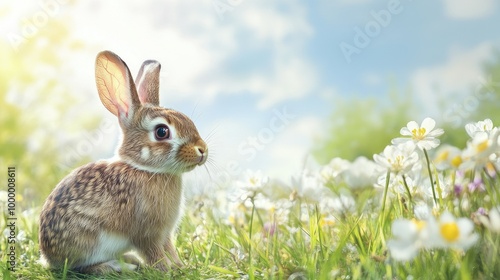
350,247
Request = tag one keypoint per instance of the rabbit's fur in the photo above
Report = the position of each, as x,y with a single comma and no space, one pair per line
104,209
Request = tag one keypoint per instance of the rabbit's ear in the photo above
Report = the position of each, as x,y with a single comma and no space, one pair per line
115,85
148,82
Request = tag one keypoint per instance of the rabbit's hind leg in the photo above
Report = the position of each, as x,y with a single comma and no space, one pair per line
106,267
133,259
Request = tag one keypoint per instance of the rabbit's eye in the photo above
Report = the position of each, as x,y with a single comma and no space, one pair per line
162,132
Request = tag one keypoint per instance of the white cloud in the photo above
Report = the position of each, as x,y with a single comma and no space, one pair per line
292,78
466,9
132,32
280,28
457,76
194,51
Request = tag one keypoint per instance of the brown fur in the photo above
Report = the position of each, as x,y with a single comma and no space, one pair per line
116,200
104,209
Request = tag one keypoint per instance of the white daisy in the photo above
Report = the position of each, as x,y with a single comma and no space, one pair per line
424,135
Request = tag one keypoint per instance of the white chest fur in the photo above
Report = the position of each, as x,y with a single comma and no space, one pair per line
109,246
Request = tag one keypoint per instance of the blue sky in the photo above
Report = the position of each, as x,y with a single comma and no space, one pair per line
232,64
420,36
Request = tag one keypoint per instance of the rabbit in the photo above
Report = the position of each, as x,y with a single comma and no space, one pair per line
133,202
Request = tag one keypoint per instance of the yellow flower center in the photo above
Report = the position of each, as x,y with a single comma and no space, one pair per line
450,231
418,134
490,167
482,146
397,164
420,224
456,161
443,156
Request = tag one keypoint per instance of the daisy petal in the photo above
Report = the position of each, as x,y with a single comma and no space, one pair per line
428,124
405,131
436,132
400,140
411,126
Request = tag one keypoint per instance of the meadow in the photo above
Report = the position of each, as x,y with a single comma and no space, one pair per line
419,209
427,206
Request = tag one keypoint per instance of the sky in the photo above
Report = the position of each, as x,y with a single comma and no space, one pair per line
260,78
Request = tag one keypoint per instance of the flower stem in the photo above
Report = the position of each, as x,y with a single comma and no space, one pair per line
430,176
387,178
381,224
407,191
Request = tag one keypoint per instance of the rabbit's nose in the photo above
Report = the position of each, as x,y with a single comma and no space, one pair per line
201,152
